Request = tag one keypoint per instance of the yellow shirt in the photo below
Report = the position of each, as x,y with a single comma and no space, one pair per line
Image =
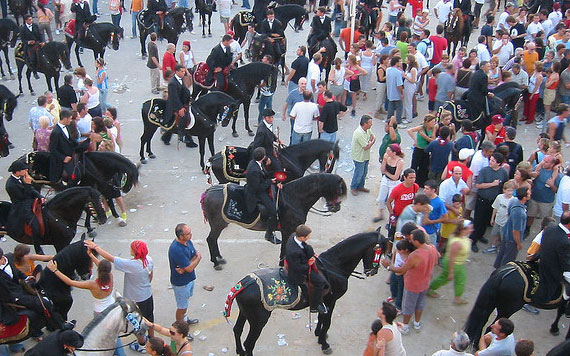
448,228
463,254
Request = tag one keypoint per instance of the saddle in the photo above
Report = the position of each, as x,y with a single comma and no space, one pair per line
245,18
201,73
15,332
70,28
234,208
235,161
529,273
143,19
38,214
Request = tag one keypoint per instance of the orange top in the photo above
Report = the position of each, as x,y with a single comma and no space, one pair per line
529,60
29,269
136,5
553,85
369,350
416,279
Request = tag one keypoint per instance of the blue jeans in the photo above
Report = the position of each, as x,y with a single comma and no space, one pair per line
134,15
264,102
6,349
103,99
396,106
182,3
116,20
120,351
359,176
300,137
397,289
328,136
338,25
95,7
245,3
291,86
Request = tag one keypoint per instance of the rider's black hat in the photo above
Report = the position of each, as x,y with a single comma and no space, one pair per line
267,112
17,166
71,338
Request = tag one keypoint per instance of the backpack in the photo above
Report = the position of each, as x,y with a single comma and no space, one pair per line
429,49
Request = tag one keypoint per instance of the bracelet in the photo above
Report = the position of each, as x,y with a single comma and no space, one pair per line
55,271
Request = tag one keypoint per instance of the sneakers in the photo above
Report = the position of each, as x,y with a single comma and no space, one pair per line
390,300
530,309
492,249
402,126
420,97
406,121
404,330
417,325
123,220
190,321
135,346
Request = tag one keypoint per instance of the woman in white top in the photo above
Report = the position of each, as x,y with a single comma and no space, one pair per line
336,80
389,338
421,21
187,59
410,79
91,98
368,63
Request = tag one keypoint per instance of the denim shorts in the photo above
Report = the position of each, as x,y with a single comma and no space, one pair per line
183,294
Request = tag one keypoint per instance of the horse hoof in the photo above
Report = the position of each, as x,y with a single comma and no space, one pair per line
12,77
92,233
218,267
203,36
21,94
235,134
33,93
144,161
251,133
151,156
209,35
328,351
555,332
221,260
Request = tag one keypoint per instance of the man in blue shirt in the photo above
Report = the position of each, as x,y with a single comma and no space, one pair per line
439,150
295,96
183,259
544,190
432,222
513,231
395,89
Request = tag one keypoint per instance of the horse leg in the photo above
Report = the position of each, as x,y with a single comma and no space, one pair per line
257,319
2,69
554,327
210,138
20,70
202,144
142,39
246,117
238,330
7,57
28,75
212,241
209,24
203,22
77,55
234,132
323,327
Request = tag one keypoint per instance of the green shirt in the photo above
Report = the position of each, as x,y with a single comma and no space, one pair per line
360,139
422,142
386,141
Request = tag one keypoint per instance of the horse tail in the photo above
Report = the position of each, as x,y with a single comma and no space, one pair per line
484,306
237,289
202,198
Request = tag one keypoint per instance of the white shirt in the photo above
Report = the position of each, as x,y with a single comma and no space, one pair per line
448,188
562,196
533,29
300,243
483,52
6,268
64,129
506,52
313,72
304,113
478,162
443,10
555,17
421,60
547,26
503,21
451,352
504,347
235,48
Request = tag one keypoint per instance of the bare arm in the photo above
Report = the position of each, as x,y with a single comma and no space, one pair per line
93,246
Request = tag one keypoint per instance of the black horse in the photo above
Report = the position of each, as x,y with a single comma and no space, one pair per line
296,159
205,8
9,33
208,110
336,264
295,200
503,291
328,56
176,22
60,214
97,37
258,48
71,261
365,18
50,58
20,8
242,82
8,103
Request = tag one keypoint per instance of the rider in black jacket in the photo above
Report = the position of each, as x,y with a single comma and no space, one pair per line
32,38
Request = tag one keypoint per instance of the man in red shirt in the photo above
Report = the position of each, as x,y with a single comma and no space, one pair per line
465,155
402,195
439,45
168,60
344,38
496,131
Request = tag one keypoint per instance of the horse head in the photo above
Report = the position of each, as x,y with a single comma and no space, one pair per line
188,18
335,191
304,18
64,55
453,20
74,258
115,36
371,257
8,103
133,316
271,78
257,47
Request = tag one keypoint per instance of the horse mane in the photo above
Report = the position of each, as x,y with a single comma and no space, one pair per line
116,162
307,182
351,243
65,257
5,93
65,195
221,94
240,73
99,317
304,146
177,11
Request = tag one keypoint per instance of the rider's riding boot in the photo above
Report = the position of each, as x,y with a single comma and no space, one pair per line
190,142
317,304
270,236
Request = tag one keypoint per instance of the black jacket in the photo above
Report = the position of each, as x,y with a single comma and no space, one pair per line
59,147
477,95
156,5
321,29
82,13
33,35
297,261
51,345
554,257
19,191
258,182
264,138
178,97
276,29
219,58
11,289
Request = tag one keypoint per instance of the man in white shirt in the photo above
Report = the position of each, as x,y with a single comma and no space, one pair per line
500,341
556,15
303,114
442,10
451,186
84,121
533,28
562,202
479,161
423,67
482,50
503,48
314,72
459,343
546,23
502,22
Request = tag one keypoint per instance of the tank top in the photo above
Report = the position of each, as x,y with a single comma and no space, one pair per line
384,75
553,85
355,71
417,279
462,255
391,169
188,59
93,100
366,61
339,76
394,347
421,141
105,83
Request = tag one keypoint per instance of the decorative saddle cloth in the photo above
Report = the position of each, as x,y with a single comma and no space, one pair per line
529,273
16,332
234,208
235,161
276,292
200,74
245,17
156,112
70,27
459,110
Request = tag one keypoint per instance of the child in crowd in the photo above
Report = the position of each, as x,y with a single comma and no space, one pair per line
432,89
500,215
403,248
371,345
445,120
454,217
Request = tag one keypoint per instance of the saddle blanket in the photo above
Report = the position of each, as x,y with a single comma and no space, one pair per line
235,161
14,333
234,208
276,292
245,18
200,74
459,110
156,113
531,278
